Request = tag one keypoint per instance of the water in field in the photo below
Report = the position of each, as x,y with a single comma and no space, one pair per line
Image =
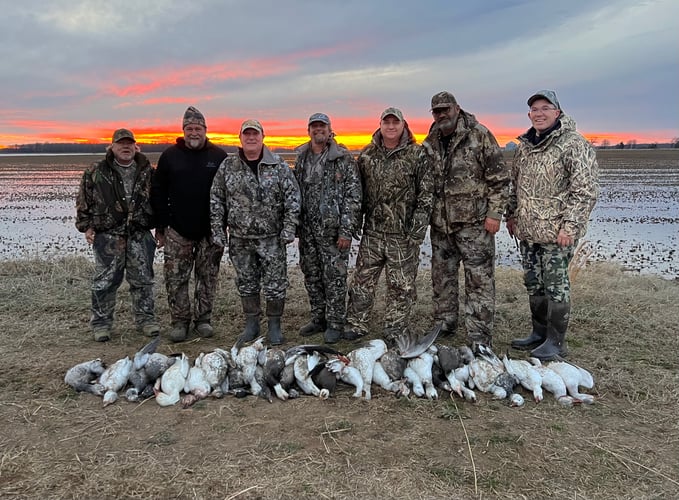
635,222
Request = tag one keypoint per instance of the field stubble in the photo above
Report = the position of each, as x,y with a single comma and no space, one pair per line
58,444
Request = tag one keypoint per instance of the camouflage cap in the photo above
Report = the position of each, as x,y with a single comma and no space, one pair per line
193,116
123,133
393,112
319,117
548,95
443,100
254,124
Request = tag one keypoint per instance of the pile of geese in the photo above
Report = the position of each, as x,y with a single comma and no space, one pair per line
417,366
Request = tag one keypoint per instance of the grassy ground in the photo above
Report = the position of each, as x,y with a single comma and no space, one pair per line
59,444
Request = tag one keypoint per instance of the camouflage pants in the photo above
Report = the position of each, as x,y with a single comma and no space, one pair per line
325,278
474,247
116,256
181,257
259,264
545,269
399,257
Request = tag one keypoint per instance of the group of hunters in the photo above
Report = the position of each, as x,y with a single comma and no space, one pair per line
201,200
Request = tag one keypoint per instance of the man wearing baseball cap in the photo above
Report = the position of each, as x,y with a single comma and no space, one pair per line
181,200
397,196
113,209
554,189
255,197
472,190
331,213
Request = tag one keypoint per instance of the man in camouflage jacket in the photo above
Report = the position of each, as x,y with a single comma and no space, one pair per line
256,198
114,212
470,196
397,199
555,187
331,214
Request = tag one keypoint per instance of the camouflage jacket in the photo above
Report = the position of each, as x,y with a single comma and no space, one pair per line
254,206
339,212
102,205
472,180
555,185
397,188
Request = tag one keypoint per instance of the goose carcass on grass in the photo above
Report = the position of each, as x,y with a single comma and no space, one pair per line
196,385
114,378
171,383
215,364
527,375
347,374
553,383
574,377
246,359
419,374
83,375
364,358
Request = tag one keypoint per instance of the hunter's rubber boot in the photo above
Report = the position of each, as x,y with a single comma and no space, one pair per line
554,346
252,311
274,311
538,311
316,325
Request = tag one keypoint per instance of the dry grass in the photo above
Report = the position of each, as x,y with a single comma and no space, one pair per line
58,444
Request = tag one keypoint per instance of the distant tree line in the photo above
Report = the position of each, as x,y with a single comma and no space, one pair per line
70,148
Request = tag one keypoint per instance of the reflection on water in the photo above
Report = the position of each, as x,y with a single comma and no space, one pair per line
635,222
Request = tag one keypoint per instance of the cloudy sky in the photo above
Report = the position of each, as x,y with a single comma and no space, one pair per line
77,69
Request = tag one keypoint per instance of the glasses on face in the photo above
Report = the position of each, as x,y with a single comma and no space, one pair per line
440,111
542,109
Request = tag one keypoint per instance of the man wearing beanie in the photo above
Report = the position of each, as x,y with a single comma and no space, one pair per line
114,211
181,201
472,189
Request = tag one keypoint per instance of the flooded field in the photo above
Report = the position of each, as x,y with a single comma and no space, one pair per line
635,222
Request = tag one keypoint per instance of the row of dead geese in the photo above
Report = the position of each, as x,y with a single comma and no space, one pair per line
418,366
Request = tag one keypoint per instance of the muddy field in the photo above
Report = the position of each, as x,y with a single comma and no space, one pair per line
58,444
635,222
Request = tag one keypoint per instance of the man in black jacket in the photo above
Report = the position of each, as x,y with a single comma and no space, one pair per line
114,211
181,201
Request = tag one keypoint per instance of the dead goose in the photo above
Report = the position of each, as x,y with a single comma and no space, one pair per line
421,366
171,383
196,386
364,358
143,379
574,377
552,382
527,375
114,378
82,376
347,374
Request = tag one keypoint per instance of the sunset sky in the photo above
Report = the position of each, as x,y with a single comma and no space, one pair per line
74,70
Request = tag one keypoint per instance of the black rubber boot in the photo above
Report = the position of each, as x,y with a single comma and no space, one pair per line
538,312
316,325
332,335
557,323
274,311
252,311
